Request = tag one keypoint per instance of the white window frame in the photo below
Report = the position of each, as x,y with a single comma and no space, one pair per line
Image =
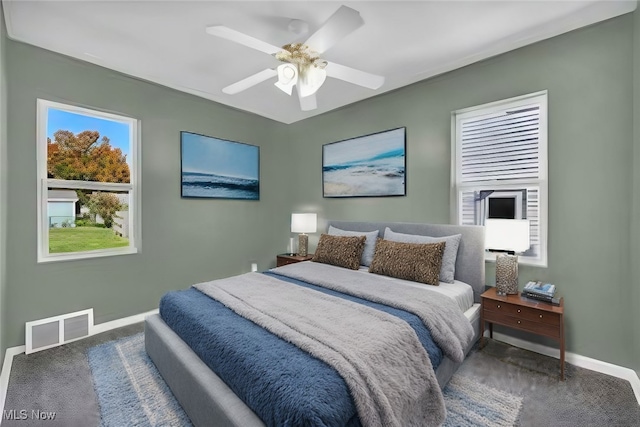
457,187
133,187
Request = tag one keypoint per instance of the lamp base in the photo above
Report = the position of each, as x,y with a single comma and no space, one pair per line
506,274
303,242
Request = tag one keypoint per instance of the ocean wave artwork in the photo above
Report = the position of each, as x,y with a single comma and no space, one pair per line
216,168
196,184
368,166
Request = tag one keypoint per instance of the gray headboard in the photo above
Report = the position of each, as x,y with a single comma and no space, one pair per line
470,261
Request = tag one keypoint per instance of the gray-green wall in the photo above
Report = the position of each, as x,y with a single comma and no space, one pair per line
635,213
3,183
184,241
588,75
593,170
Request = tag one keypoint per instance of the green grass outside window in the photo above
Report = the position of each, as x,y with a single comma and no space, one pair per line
79,239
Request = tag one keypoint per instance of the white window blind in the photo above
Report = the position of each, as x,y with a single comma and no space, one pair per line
501,146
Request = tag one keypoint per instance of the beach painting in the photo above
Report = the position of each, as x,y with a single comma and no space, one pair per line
366,166
219,169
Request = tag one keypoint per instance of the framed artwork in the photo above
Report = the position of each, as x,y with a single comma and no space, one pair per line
215,168
367,166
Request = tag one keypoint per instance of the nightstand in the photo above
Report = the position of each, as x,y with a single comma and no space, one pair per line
284,259
523,314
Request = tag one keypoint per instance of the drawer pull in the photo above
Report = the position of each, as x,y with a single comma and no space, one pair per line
541,316
519,310
498,305
519,322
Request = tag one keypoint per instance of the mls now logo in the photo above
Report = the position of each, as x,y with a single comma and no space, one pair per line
23,414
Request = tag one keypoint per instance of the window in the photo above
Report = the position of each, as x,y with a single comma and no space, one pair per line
88,183
500,167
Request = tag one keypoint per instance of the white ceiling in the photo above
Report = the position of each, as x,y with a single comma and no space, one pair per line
165,41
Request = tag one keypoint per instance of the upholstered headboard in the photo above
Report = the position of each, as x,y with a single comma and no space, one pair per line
470,261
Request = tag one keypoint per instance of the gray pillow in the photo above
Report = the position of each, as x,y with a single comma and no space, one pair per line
448,268
369,244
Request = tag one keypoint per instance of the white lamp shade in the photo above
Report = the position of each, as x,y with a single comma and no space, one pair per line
304,223
287,78
507,235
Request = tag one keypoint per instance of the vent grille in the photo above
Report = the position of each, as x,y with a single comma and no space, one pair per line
54,331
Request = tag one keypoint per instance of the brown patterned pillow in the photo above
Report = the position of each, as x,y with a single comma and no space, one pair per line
419,262
342,251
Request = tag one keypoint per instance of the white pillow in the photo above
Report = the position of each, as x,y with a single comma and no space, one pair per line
448,268
369,243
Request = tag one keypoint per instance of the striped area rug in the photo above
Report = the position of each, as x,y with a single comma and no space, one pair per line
470,403
131,392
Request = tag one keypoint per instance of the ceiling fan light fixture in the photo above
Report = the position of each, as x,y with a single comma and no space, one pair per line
287,78
310,80
301,55
302,66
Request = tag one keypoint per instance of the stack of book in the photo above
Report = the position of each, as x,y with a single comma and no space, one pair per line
541,291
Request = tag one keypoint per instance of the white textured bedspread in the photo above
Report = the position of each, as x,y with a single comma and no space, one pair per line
387,370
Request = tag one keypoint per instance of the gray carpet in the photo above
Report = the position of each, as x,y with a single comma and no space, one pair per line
585,398
59,380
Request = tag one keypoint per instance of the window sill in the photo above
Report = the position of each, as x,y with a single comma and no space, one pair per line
522,260
73,256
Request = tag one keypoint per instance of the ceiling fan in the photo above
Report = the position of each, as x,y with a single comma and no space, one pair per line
302,66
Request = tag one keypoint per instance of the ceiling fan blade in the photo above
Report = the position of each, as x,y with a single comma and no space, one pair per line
354,76
250,81
243,39
307,103
344,21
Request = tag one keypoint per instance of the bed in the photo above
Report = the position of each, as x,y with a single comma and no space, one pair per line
208,400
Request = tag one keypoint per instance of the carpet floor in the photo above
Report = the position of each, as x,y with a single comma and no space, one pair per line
59,380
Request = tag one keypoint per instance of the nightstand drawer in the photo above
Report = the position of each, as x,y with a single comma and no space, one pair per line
285,259
522,312
282,262
521,323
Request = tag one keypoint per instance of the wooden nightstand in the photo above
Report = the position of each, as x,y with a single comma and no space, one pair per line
523,314
284,259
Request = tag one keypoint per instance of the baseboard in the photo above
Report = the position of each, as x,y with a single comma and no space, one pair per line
97,329
577,360
119,323
6,370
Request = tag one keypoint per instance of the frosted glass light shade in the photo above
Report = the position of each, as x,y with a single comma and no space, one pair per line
507,235
304,223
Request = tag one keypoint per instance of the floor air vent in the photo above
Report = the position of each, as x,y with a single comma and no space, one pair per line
54,331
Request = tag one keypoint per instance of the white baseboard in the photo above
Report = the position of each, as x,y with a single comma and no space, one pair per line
6,370
97,329
577,360
119,323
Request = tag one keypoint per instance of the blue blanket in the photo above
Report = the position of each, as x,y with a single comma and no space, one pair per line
282,384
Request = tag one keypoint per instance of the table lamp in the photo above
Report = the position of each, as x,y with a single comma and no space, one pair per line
303,223
507,237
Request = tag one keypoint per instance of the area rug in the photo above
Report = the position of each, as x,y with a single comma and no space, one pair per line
131,392
470,403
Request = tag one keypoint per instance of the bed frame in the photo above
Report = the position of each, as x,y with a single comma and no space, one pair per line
207,400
